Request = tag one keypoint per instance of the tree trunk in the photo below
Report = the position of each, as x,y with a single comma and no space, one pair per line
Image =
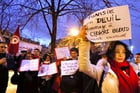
54,33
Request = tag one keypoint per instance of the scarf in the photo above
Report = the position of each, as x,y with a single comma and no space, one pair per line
128,80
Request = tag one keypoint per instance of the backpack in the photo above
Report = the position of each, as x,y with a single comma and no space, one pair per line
92,86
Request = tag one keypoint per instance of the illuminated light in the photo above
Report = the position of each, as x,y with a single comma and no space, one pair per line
131,48
74,32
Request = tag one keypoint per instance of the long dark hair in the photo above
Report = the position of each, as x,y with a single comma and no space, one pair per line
45,56
111,50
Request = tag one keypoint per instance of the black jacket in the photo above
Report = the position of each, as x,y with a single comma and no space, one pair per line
4,71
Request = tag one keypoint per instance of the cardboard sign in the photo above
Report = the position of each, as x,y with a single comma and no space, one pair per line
29,65
69,67
109,24
47,69
62,52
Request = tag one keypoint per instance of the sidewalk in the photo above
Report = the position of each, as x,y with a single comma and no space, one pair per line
11,88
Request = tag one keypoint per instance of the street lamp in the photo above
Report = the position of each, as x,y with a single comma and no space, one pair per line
131,48
73,32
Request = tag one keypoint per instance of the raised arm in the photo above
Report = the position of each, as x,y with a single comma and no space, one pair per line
85,65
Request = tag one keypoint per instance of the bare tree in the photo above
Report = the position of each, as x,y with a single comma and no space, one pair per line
4,17
55,9
11,15
25,12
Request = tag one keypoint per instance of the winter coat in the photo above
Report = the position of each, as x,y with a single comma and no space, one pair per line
110,82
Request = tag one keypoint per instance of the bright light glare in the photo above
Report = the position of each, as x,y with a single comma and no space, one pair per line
74,32
131,47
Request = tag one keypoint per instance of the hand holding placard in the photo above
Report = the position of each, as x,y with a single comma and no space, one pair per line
29,65
62,52
69,67
47,69
109,24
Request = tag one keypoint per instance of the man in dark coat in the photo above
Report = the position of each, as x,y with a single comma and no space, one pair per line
72,83
6,63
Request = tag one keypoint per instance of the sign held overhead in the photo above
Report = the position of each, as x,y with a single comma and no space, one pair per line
109,24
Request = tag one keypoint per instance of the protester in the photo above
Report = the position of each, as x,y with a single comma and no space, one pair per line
46,81
36,53
53,57
136,64
94,53
18,59
57,78
6,63
72,83
28,80
21,56
120,77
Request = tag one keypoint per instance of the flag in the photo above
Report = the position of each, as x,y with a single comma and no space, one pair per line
14,42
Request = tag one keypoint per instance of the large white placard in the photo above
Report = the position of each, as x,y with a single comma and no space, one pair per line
29,65
109,24
62,52
47,69
69,67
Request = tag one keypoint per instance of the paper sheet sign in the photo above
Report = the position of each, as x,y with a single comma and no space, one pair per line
109,24
47,69
69,67
62,52
29,65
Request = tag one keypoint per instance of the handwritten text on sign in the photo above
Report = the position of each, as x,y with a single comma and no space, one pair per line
62,52
109,24
29,65
69,67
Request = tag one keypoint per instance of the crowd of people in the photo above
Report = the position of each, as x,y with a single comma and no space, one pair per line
106,72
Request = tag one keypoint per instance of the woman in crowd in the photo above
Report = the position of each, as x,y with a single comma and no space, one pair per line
46,81
119,76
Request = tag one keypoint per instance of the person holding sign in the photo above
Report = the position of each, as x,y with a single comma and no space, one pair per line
28,80
72,83
36,53
46,81
119,75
